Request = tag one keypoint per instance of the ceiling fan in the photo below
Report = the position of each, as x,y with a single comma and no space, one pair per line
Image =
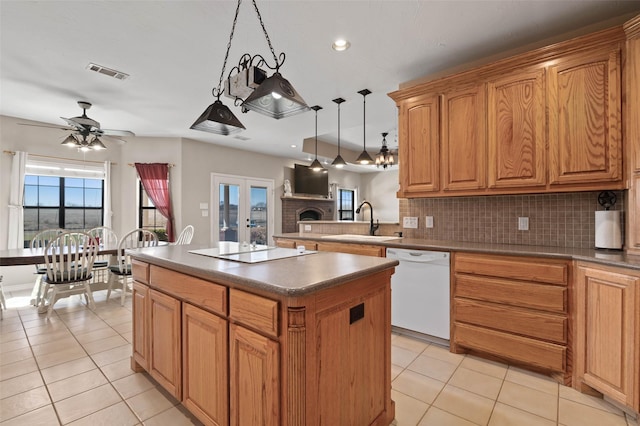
85,131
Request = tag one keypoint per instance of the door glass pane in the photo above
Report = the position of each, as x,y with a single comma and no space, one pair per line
228,218
258,215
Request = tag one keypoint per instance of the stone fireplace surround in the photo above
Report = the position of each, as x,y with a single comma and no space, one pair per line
305,208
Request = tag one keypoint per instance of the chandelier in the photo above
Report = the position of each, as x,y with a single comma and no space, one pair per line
384,158
251,90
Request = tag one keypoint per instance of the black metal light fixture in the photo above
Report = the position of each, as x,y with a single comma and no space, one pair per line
364,157
96,144
83,144
384,158
71,142
274,96
338,162
315,165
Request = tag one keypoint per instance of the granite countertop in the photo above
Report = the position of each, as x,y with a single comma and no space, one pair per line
604,257
293,276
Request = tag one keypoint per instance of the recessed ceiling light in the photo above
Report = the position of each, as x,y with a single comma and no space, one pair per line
294,146
340,45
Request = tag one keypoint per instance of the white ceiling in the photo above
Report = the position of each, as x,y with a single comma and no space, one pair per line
174,50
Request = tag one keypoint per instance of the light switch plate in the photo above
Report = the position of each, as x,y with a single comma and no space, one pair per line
205,213
204,206
410,222
428,222
307,228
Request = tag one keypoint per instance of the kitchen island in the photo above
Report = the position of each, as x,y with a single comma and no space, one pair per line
301,340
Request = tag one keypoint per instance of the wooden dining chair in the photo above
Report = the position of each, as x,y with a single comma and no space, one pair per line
121,271
105,237
40,241
69,261
185,236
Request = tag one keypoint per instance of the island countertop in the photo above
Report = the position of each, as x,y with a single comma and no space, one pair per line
293,276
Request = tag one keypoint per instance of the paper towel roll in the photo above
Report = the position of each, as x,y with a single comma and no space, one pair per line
609,229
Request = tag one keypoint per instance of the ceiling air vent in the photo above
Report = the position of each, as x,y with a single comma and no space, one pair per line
107,71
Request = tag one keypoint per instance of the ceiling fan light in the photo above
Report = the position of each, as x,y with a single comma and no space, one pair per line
275,98
97,145
218,119
71,142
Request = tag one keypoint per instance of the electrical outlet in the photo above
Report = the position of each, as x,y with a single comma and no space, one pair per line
523,224
410,222
428,223
307,228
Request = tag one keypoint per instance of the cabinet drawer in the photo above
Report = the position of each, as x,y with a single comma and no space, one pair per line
529,295
308,245
545,355
254,311
514,320
531,269
140,271
362,249
203,293
285,243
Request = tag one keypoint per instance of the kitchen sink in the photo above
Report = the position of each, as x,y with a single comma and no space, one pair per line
355,237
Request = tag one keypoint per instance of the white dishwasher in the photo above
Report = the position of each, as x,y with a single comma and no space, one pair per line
420,291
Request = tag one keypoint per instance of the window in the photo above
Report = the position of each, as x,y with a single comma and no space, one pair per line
61,202
346,199
149,217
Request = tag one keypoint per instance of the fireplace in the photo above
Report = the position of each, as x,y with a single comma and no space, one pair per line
296,209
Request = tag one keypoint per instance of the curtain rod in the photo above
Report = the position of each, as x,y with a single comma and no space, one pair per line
59,158
133,165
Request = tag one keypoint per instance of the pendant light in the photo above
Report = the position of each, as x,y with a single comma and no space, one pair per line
364,157
315,165
338,162
384,158
218,118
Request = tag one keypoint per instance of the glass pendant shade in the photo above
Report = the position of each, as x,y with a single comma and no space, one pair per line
71,142
97,144
275,98
218,119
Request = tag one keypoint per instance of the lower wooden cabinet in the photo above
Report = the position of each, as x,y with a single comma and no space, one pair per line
255,382
204,365
608,332
515,308
324,245
165,360
140,301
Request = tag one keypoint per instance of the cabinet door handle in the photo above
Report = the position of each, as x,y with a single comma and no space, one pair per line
356,313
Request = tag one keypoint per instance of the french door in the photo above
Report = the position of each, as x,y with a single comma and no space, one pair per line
242,209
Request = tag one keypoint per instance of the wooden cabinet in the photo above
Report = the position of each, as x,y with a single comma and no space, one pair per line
254,378
165,361
464,155
608,332
585,118
362,249
548,120
420,144
516,130
632,132
140,302
515,308
287,243
204,367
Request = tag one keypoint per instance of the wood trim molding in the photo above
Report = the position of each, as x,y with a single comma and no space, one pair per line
296,363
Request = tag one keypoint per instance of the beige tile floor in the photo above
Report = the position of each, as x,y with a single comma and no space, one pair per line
74,369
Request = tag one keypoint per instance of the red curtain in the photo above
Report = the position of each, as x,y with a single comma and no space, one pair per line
155,181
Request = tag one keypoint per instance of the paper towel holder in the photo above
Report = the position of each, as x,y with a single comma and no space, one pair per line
608,223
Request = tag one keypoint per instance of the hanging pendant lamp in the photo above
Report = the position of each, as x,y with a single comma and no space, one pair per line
338,162
218,118
364,157
315,165
276,98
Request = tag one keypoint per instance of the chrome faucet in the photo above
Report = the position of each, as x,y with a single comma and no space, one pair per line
372,228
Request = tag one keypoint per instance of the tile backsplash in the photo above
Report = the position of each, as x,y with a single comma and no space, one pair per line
557,220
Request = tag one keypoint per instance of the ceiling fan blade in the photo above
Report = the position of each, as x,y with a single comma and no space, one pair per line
74,124
114,132
42,125
114,139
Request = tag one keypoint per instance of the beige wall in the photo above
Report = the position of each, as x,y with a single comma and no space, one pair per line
380,190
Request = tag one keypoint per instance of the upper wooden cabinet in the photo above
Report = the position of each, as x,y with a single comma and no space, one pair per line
632,132
420,153
516,130
585,118
547,120
464,139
